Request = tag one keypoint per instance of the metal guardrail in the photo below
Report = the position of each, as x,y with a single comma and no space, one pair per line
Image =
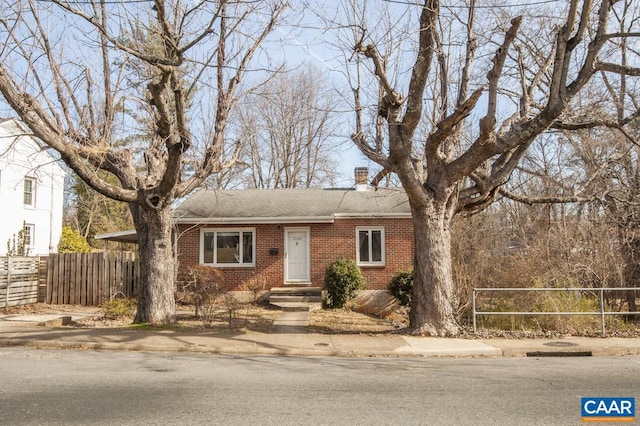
601,312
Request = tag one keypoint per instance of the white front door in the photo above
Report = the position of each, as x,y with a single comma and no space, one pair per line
297,256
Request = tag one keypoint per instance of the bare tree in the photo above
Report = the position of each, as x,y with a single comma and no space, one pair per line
288,126
601,143
477,128
613,164
117,86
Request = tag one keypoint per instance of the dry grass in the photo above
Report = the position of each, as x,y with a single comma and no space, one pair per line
249,317
246,317
43,308
259,318
343,321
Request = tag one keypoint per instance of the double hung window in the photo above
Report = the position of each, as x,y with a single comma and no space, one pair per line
29,197
370,246
29,231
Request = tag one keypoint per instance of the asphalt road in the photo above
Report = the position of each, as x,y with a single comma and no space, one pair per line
129,388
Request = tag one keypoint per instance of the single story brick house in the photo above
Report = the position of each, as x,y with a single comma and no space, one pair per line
288,237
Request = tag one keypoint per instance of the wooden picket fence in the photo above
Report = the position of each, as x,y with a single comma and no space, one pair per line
19,280
91,278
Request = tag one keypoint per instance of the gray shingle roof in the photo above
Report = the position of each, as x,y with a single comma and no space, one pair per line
290,205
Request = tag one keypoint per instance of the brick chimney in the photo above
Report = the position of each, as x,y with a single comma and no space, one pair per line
362,178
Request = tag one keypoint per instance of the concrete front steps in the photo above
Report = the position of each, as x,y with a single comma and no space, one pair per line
296,298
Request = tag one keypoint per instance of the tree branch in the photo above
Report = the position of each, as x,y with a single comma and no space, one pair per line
481,149
488,122
421,68
549,199
617,69
227,98
392,98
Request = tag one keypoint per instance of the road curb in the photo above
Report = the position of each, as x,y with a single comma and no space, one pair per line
274,351
111,346
230,350
586,351
314,345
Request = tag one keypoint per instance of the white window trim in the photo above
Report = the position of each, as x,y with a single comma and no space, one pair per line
382,242
227,265
32,234
34,184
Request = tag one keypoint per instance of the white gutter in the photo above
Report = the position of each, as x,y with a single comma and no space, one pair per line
119,236
372,215
290,219
255,220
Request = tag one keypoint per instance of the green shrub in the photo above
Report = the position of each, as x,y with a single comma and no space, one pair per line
342,281
118,308
72,242
401,286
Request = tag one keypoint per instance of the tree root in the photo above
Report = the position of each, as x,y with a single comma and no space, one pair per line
448,329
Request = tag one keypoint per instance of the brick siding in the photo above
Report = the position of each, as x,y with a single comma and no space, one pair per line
328,242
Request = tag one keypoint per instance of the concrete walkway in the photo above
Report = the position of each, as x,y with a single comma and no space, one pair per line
290,337
291,322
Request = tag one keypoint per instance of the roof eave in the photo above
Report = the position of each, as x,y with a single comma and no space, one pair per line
289,219
127,236
254,220
372,215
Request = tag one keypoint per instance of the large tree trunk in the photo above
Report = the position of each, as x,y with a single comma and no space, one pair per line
431,307
631,254
156,298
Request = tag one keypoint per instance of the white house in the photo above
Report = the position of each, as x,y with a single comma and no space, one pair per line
31,190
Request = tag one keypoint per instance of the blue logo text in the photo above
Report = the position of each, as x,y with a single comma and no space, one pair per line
596,409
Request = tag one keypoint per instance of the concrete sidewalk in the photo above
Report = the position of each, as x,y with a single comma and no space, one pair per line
291,338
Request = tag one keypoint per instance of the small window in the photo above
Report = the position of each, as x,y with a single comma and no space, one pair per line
29,230
370,246
227,247
29,198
